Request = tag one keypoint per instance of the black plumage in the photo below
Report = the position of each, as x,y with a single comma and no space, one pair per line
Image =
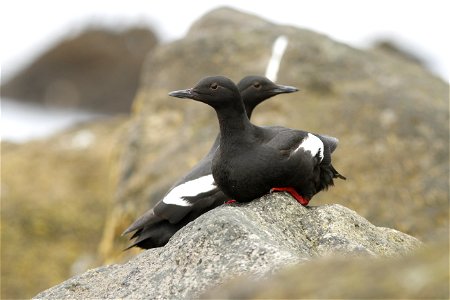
197,188
252,160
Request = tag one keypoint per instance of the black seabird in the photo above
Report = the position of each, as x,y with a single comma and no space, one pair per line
252,161
196,192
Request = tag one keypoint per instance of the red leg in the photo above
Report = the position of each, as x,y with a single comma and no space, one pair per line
303,201
230,201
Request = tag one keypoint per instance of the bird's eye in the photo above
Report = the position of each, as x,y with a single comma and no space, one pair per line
257,85
214,86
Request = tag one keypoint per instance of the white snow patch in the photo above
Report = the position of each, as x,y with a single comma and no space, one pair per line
278,49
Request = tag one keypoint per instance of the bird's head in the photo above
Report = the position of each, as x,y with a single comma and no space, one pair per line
216,91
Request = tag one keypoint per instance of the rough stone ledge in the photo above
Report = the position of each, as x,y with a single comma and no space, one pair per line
255,239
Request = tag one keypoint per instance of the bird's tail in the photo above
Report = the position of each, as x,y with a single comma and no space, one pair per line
327,175
155,235
336,173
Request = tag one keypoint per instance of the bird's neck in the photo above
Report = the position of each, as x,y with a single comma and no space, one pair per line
233,122
249,110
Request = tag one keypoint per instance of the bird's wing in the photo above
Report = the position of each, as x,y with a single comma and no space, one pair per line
146,219
330,144
178,202
296,143
329,141
283,139
156,235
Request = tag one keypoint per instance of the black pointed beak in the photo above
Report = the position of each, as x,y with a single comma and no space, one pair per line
182,94
284,89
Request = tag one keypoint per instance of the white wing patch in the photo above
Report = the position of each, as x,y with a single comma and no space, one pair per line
189,189
312,144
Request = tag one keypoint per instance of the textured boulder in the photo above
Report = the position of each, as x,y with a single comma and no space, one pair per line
97,70
390,114
254,239
424,275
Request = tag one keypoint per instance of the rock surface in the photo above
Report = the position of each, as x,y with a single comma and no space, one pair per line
423,275
391,116
97,70
255,239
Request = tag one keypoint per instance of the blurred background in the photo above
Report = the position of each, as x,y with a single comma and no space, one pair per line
78,78
30,29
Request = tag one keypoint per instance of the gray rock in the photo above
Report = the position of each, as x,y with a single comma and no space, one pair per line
254,239
423,275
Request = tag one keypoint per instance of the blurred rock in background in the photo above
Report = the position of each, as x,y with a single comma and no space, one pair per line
391,47
56,191
390,114
98,70
55,197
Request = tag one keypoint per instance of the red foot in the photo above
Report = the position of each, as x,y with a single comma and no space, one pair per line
230,201
293,192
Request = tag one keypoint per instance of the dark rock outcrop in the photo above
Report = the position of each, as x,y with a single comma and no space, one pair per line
97,70
255,239
390,115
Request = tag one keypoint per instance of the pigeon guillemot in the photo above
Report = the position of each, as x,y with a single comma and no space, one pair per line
196,192
251,161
